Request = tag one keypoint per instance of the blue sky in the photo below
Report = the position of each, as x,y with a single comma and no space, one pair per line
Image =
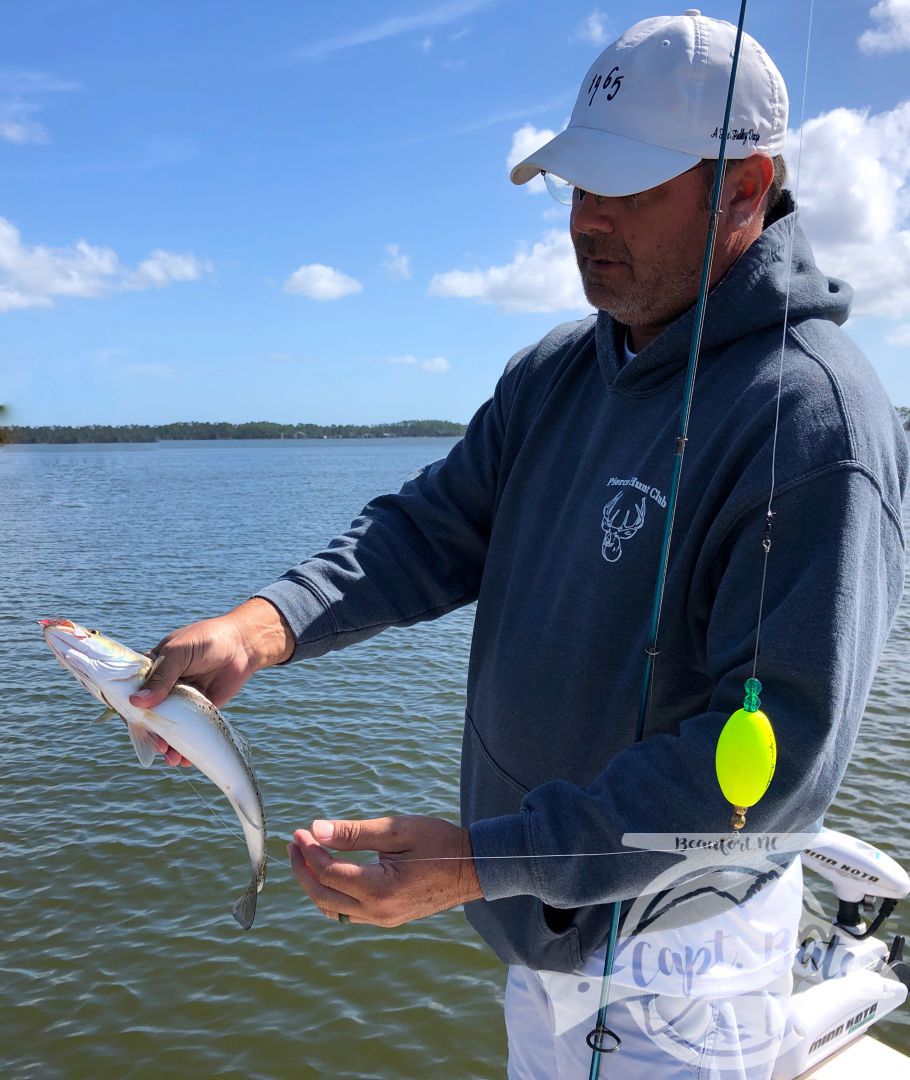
219,210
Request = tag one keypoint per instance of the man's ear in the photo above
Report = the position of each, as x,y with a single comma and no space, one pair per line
747,182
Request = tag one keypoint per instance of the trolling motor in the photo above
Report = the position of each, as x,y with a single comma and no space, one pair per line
845,979
859,873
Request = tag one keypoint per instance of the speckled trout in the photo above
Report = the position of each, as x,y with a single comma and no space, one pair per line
186,719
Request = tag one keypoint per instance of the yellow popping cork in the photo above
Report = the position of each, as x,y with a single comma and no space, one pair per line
746,755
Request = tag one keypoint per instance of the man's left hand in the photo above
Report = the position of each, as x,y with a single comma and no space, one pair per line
425,865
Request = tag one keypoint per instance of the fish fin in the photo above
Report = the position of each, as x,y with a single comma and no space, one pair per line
142,743
108,714
245,908
259,827
151,671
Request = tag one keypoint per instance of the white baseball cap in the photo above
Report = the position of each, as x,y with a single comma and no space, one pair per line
652,106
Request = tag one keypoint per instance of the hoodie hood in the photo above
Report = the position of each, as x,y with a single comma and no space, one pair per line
750,298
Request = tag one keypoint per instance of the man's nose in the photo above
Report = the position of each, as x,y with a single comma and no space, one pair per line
592,213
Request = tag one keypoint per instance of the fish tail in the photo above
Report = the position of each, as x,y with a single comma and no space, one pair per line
245,908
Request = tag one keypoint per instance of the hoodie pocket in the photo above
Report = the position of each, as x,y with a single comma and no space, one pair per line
515,928
483,767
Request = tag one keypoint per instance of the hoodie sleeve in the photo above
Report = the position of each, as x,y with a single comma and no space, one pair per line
407,557
833,585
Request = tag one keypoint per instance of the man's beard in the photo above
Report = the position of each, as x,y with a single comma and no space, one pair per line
646,296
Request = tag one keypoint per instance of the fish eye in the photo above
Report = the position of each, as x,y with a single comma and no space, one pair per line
94,631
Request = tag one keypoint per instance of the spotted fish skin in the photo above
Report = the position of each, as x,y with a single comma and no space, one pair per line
186,720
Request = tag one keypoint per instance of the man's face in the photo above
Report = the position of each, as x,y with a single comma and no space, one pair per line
640,256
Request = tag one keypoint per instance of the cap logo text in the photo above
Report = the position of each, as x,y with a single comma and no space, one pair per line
604,82
737,135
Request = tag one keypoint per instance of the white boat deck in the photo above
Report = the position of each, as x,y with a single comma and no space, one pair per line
866,1056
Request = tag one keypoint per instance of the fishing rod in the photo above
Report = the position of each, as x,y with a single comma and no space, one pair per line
601,1039
746,750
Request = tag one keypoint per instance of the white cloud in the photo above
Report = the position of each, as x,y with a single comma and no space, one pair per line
440,15
592,30
16,125
893,32
900,336
858,215
437,366
18,89
163,268
33,275
542,279
320,282
397,264
524,142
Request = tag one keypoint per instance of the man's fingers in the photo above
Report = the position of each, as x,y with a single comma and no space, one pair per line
328,900
170,754
360,880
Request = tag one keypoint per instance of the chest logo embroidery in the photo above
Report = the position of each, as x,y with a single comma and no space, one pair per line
617,529
621,522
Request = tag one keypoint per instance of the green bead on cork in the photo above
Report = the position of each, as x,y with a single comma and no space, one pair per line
746,755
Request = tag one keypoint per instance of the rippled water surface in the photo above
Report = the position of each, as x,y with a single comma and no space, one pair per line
118,953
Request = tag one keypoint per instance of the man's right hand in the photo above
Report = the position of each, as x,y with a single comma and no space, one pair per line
217,656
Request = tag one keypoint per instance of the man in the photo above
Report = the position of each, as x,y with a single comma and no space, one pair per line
550,514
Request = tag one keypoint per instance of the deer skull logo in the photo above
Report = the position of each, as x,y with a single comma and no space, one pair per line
615,530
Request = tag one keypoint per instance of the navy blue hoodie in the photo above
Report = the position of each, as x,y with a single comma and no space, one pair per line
550,514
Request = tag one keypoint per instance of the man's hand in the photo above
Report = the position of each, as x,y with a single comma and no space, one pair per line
425,865
217,656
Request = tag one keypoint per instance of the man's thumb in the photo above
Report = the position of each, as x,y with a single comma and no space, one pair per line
158,684
371,834
323,831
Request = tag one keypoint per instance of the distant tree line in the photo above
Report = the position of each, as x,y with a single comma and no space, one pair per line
253,429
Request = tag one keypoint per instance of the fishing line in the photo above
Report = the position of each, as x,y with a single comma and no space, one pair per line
445,858
554,855
600,1031
769,514
218,817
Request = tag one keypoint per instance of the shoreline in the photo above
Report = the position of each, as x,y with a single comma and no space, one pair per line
205,431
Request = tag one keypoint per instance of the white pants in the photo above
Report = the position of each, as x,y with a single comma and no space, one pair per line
703,1001
663,1038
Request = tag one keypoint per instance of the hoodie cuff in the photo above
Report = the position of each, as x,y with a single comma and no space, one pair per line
307,615
500,845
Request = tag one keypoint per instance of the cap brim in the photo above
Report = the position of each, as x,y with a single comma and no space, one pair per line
604,163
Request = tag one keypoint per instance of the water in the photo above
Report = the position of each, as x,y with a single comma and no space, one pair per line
119,956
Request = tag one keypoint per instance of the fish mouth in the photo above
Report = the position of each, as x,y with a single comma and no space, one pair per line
65,628
90,656
58,624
